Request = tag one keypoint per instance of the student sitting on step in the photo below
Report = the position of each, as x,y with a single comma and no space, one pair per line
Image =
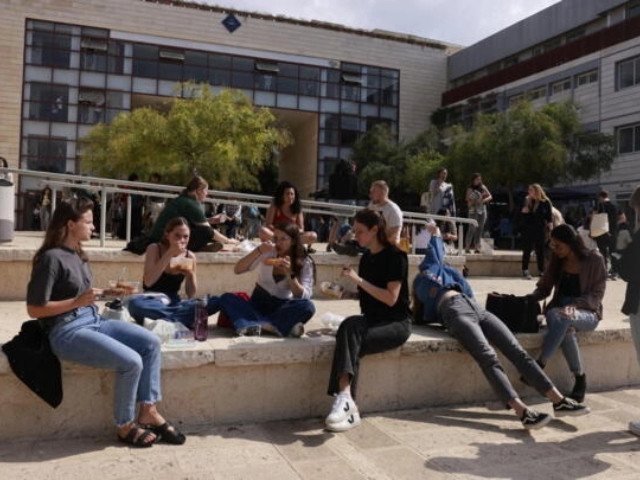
443,295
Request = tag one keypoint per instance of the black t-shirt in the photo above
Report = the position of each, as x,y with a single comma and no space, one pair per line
388,265
59,274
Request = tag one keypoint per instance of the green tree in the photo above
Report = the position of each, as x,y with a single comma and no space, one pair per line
223,137
523,145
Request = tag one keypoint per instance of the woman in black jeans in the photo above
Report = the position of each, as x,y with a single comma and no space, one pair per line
535,226
385,322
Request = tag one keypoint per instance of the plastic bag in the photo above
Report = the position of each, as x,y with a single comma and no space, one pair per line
167,330
332,320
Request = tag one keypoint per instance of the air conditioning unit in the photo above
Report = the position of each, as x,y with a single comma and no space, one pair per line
171,55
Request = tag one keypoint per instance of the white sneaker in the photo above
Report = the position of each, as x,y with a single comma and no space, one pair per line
343,407
297,331
634,427
351,421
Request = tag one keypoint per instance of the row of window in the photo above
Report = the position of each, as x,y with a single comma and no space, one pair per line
47,46
556,87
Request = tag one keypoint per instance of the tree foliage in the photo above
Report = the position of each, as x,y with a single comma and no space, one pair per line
524,145
223,137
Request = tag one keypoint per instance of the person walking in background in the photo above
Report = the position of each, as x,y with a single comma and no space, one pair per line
477,197
441,193
385,321
61,297
536,223
442,295
280,302
286,207
379,201
578,278
627,266
203,238
46,201
607,241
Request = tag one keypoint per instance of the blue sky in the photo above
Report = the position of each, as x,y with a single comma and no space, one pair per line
462,22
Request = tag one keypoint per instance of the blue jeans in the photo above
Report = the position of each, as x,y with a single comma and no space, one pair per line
474,328
562,331
183,311
264,308
132,352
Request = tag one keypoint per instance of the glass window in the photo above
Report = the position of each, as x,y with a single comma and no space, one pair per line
197,74
220,77
625,140
148,52
586,78
309,88
46,154
350,130
309,73
636,138
242,80
170,70
266,82
50,49
48,102
627,73
195,58
287,85
288,70
91,105
220,61
243,63
115,61
561,86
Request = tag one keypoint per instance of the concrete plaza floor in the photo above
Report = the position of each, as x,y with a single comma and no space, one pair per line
465,442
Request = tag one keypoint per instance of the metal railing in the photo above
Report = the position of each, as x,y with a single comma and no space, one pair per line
104,187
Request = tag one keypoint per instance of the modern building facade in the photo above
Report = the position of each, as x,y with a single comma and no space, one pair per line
69,64
585,50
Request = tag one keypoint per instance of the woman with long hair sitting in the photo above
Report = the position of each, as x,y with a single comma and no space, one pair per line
280,302
60,295
385,321
578,278
168,265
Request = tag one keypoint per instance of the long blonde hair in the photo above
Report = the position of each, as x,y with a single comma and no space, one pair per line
540,192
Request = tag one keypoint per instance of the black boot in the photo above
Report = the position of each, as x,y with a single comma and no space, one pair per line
579,388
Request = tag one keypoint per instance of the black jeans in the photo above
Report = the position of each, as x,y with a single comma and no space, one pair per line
529,242
358,337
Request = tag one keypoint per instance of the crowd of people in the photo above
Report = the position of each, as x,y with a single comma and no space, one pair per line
61,295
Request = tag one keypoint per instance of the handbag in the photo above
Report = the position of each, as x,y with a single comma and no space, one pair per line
519,313
599,224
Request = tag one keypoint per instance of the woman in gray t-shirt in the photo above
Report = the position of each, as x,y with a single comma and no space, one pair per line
61,297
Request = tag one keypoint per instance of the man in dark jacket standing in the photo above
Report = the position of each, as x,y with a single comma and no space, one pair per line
607,242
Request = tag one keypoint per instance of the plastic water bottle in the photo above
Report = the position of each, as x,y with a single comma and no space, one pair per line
201,323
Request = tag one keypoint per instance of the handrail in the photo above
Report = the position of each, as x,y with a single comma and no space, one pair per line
110,186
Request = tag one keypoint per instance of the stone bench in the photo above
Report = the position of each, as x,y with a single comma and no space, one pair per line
231,379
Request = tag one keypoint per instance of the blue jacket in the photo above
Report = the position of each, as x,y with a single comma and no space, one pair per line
435,278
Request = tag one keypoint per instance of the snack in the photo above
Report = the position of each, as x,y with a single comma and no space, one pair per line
271,261
331,290
181,263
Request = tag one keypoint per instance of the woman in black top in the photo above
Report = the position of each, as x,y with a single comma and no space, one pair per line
167,265
385,322
535,226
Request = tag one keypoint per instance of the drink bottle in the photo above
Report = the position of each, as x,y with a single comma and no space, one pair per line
201,323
